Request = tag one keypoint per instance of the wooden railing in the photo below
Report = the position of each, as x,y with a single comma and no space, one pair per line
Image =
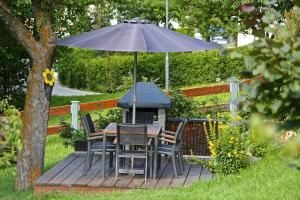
111,103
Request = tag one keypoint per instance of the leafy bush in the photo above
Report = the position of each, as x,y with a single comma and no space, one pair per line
276,58
107,74
10,133
181,105
69,134
229,147
113,115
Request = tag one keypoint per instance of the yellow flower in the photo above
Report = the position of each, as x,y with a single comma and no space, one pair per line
229,155
213,153
49,77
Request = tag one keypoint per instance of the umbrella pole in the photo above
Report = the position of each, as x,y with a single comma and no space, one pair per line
134,88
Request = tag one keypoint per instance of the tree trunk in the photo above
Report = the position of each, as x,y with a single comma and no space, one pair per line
35,122
35,119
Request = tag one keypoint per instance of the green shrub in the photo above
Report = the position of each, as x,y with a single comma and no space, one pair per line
69,134
10,134
113,115
181,105
107,74
229,148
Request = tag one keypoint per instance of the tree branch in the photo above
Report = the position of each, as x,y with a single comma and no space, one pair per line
43,23
22,34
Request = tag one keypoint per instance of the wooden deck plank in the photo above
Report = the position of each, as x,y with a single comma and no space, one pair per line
194,174
67,171
166,177
206,175
178,182
68,174
91,173
152,182
124,181
137,181
110,181
98,180
72,178
45,178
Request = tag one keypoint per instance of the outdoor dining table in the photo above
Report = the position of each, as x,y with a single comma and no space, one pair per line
153,131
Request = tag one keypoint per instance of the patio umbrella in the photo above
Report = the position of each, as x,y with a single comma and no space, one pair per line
136,35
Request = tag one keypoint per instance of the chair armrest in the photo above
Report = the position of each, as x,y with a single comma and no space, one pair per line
115,141
149,141
167,140
167,136
169,132
96,134
94,138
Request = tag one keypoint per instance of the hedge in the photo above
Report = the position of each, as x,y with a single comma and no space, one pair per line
87,70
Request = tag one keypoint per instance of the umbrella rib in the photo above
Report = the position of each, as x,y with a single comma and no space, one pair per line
142,33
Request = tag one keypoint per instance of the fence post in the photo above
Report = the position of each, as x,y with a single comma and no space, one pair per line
234,89
75,107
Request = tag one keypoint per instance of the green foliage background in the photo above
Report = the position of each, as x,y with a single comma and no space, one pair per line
88,70
277,60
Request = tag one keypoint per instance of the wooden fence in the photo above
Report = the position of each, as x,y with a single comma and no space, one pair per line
111,103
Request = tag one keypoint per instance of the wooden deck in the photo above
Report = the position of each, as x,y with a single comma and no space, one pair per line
67,175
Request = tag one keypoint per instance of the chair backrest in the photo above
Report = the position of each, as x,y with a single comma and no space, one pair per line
181,131
88,124
141,117
132,134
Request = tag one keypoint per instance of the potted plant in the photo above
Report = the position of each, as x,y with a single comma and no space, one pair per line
79,140
73,137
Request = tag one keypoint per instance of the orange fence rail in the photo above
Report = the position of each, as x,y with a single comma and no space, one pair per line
111,103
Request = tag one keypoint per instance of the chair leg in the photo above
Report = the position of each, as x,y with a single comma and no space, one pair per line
87,159
91,160
151,161
146,168
181,160
111,156
117,165
158,161
180,163
174,164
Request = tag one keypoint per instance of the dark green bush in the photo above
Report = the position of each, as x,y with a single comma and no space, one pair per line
181,106
113,115
10,133
107,74
69,134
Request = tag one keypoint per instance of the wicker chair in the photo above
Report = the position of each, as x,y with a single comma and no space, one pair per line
170,144
132,134
96,142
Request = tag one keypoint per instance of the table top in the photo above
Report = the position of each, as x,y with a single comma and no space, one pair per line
152,129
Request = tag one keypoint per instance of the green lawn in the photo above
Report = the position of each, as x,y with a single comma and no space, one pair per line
66,100
269,178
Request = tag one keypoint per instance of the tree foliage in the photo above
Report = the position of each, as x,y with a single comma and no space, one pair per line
210,17
276,57
10,133
14,68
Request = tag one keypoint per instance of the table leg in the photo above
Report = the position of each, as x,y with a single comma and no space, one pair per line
103,156
155,157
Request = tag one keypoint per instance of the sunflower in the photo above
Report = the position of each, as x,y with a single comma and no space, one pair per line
49,77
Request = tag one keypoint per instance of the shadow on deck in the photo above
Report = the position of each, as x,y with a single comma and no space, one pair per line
67,175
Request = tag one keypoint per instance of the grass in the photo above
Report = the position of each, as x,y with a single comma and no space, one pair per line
221,98
269,178
66,100
55,152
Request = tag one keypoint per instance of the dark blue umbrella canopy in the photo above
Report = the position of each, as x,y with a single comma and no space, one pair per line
137,36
